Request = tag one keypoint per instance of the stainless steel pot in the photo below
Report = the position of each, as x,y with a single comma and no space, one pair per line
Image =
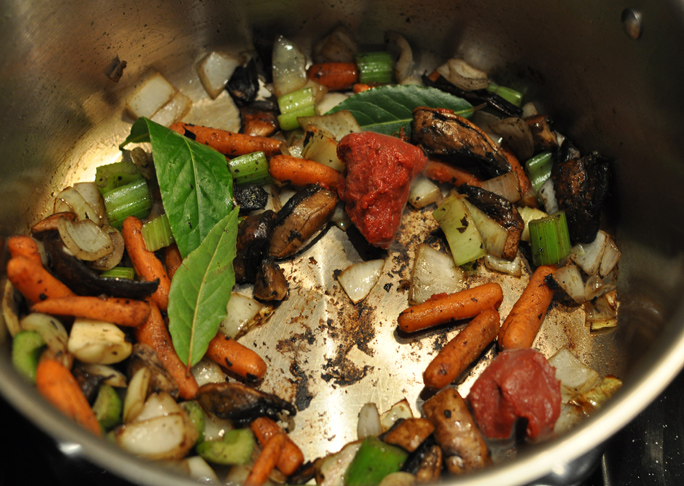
609,76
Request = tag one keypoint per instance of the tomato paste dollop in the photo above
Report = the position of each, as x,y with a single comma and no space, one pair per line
379,171
519,383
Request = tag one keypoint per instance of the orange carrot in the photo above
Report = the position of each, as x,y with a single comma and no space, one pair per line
124,312
291,456
58,386
301,172
236,358
155,334
266,461
25,246
457,355
228,143
172,260
360,87
33,281
336,76
50,223
523,322
523,180
434,75
145,262
447,307
447,173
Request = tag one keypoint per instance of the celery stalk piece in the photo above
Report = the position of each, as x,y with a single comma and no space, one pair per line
250,169
234,449
289,121
157,233
373,461
196,415
27,347
107,407
464,239
550,239
512,96
539,169
375,67
120,272
133,199
296,100
111,176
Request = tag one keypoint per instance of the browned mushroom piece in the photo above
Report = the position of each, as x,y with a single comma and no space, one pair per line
270,284
240,403
500,210
542,133
409,433
456,433
144,356
259,119
254,233
451,137
430,467
304,215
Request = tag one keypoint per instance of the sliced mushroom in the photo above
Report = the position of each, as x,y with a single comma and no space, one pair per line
250,197
425,463
444,134
543,135
302,217
409,433
143,356
240,403
500,210
254,233
270,284
259,119
456,432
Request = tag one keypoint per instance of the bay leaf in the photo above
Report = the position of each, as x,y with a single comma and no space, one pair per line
195,183
200,291
386,109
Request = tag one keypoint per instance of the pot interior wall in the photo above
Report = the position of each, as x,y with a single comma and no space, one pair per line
61,116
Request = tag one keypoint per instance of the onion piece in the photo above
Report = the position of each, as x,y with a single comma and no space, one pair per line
198,469
71,200
340,123
242,313
154,93
423,192
11,299
401,50
113,258
162,438
529,109
493,234
588,255
112,376
136,394
611,256
502,265
569,278
173,111
330,471
548,196
575,376
338,46
158,405
92,341
506,185
400,410
215,428
434,272
483,119
214,70
529,214
53,333
517,135
601,313
320,146
463,75
220,113
359,279
399,478
289,67
330,101
369,421
208,371
340,217
84,239
92,196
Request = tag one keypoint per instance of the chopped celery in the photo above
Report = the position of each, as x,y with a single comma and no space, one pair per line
111,176
289,121
27,347
464,239
373,461
539,169
133,199
157,233
375,67
250,169
550,239
512,96
120,272
196,415
234,449
296,100
107,407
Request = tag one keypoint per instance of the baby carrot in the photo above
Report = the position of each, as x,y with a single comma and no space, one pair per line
145,262
523,322
336,76
124,312
172,260
266,461
301,172
56,383
361,87
228,143
155,334
33,281
444,308
457,355
449,174
236,358
291,456
25,246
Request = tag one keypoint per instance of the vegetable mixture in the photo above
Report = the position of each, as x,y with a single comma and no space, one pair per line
120,301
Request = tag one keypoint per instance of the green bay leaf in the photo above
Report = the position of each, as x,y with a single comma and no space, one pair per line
386,109
200,291
194,181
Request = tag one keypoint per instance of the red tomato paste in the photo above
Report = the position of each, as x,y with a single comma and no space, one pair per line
379,172
518,383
